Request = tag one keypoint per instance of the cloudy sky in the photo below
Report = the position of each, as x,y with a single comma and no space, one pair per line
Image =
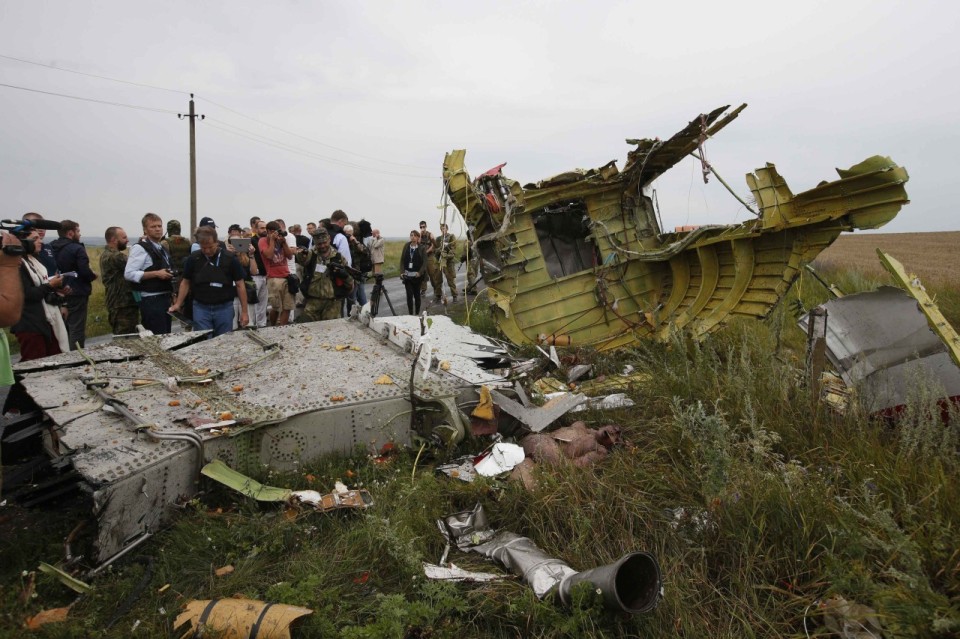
314,106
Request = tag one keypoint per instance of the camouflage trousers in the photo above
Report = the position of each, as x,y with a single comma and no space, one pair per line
123,320
472,272
433,274
319,309
448,269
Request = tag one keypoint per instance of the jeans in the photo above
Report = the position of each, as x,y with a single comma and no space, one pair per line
218,317
77,319
361,291
153,313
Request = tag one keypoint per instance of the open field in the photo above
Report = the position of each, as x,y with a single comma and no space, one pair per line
758,503
935,257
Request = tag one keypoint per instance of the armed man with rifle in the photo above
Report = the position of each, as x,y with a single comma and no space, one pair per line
327,279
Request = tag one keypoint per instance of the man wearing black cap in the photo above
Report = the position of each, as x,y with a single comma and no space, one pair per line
204,221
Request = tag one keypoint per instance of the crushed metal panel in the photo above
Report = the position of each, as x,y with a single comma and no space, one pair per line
116,350
881,344
910,283
292,393
470,356
537,418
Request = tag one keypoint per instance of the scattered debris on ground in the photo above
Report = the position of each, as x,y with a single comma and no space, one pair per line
238,619
632,584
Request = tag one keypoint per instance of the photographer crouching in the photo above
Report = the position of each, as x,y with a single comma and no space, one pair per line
327,280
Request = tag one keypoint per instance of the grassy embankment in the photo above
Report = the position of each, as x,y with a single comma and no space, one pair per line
758,503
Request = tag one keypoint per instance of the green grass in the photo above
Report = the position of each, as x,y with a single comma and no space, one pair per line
783,505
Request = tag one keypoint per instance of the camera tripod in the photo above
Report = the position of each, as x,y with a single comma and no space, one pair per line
375,294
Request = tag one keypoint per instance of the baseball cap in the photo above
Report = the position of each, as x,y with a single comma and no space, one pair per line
173,226
321,234
207,221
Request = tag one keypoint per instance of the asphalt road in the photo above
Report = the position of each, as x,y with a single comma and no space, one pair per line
398,295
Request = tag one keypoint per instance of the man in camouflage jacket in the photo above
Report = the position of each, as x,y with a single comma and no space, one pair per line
122,309
445,248
325,269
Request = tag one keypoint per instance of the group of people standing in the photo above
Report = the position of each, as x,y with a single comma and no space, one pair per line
56,282
260,276
431,257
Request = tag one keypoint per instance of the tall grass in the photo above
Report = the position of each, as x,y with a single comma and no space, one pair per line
757,502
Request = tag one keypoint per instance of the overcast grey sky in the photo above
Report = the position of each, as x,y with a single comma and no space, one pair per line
378,91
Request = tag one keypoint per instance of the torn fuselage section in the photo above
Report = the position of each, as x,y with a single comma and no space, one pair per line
580,258
565,239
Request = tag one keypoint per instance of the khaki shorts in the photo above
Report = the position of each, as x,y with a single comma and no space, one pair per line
279,296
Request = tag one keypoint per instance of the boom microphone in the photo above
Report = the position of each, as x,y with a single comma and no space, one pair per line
49,225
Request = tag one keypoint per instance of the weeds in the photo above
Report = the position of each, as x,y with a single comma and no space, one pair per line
756,502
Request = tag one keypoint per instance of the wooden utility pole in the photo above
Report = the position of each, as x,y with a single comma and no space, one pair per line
192,116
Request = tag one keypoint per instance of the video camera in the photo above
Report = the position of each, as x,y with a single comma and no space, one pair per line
22,229
342,270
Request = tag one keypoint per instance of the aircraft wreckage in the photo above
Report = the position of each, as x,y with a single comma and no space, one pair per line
133,423
580,258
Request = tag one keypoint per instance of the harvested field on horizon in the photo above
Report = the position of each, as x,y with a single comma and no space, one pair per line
935,257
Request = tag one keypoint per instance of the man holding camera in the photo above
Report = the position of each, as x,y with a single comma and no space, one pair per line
149,271
72,259
275,252
325,280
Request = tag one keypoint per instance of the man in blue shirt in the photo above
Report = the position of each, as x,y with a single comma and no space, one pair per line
149,273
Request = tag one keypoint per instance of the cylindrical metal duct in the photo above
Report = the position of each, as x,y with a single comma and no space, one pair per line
631,584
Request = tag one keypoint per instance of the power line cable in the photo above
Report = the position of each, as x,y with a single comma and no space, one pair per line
243,133
303,137
217,104
92,75
77,97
